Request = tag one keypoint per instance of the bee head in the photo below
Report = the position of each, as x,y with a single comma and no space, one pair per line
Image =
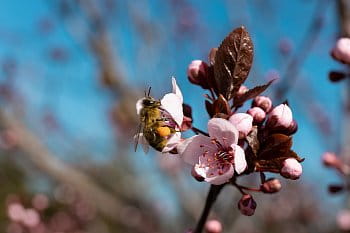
150,102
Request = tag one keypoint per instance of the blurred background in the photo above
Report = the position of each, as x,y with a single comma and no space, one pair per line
71,72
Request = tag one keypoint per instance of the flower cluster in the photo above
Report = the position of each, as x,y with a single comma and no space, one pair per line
236,143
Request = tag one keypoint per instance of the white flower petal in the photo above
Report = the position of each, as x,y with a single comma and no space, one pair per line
176,89
173,105
172,142
193,147
223,131
216,179
240,162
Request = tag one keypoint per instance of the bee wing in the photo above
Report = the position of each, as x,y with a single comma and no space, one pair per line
139,138
144,143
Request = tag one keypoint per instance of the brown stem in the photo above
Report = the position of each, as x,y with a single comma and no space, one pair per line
198,131
211,198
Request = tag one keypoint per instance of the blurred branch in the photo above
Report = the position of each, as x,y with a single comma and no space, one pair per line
311,36
47,162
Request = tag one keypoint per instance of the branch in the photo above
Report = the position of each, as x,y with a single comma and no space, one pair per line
311,36
214,191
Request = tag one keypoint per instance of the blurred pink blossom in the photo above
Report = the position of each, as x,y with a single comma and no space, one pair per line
341,51
15,211
343,220
213,226
40,202
31,218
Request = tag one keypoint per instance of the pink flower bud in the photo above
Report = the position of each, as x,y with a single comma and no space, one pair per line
291,169
241,91
197,72
213,226
247,205
258,114
263,102
341,51
272,185
330,159
243,123
280,117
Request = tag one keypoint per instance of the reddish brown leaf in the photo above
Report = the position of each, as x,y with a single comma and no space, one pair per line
250,94
233,60
221,106
253,141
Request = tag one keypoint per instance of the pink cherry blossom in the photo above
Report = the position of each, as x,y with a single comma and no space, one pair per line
216,157
243,123
172,110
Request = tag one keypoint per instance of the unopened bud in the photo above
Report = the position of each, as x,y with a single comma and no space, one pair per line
197,73
243,123
258,114
341,51
280,117
291,169
263,102
272,185
335,188
293,128
195,175
213,226
241,91
247,205
330,159
336,76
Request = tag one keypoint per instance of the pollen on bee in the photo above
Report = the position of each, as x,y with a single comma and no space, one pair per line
163,131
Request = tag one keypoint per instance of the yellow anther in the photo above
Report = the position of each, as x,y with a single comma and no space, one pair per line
163,131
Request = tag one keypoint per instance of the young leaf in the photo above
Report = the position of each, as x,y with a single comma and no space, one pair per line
253,141
250,94
276,145
221,105
233,60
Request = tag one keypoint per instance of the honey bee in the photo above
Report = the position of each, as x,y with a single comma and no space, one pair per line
157,126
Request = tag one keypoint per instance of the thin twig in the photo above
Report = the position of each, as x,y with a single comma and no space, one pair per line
198,131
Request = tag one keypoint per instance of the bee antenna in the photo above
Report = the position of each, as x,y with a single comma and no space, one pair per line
149,91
